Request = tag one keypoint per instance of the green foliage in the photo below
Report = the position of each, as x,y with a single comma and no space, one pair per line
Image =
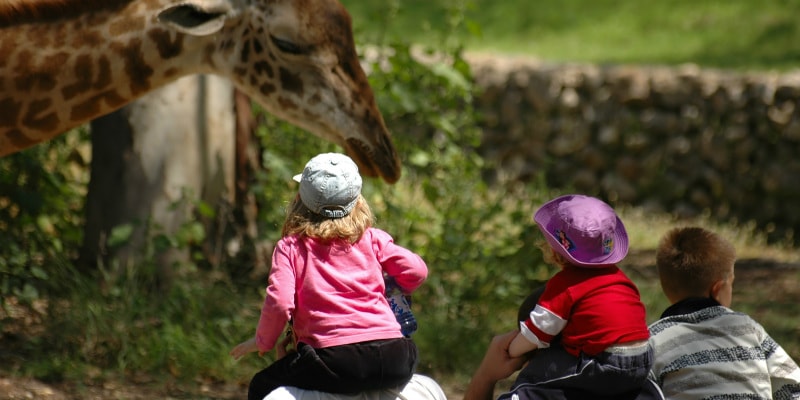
128,327
41,198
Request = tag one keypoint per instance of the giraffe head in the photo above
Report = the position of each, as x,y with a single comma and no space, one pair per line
296,58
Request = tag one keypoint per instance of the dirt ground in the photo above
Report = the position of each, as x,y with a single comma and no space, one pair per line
27,388
764,280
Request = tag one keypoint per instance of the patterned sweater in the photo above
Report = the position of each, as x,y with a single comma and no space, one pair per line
706,351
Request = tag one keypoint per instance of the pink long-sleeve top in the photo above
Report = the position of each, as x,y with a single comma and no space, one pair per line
334,292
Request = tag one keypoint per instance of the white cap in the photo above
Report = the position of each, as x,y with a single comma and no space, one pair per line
330,185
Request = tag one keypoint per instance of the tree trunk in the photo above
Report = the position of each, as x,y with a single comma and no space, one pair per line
150,161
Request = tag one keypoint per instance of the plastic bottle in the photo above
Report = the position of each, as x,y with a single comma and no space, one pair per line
401,306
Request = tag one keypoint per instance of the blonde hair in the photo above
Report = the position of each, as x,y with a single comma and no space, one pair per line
302,221
550,255
691,259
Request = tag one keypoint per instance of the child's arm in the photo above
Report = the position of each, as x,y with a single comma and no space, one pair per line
248,346
406,267
784,373
520,345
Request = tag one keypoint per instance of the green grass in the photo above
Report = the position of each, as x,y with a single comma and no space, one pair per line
734,34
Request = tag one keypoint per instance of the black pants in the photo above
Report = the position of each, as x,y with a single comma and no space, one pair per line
348,368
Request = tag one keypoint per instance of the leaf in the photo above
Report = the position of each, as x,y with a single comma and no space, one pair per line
405,98
38,273
28,293
453,77
163,242
205,209
120,235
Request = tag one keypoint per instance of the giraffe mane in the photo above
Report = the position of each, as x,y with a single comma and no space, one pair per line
23,11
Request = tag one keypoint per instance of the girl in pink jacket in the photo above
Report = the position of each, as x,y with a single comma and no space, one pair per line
327,280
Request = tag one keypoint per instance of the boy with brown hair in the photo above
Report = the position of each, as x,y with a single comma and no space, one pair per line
703,349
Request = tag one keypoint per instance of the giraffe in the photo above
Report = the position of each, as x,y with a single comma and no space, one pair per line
65,62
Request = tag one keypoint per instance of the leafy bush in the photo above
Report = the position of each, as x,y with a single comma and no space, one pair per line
41,199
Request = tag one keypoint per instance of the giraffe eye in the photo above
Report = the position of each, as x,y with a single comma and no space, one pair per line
287,46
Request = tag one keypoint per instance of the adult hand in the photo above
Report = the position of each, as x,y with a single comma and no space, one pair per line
497,364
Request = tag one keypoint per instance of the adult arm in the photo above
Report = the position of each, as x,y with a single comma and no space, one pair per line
496,365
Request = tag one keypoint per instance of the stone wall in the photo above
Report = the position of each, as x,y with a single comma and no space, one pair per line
679,139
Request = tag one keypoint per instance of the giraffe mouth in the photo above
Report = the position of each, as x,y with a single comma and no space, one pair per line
384,164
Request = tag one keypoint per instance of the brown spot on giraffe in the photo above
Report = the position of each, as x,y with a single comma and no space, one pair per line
84,66
290,81
245,55
84,73
88,40
167,47
7,46
267,89
257,46
11,108
103,78
39,117
137,69
263,68
287,103
87,109
43,79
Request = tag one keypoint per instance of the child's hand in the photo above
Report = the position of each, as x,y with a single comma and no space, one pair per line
248,346
284,346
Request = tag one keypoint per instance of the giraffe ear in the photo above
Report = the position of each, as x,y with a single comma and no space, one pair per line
196,17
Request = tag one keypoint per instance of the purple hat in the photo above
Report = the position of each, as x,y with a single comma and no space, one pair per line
584,230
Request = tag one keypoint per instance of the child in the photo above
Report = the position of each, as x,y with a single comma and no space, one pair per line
591,305
703,348
327,279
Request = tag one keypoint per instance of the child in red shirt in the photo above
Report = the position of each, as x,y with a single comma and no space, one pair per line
588,327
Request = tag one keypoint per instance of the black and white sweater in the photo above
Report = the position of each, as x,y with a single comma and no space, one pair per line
706,351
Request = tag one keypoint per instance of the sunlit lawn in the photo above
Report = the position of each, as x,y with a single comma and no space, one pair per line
727,34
